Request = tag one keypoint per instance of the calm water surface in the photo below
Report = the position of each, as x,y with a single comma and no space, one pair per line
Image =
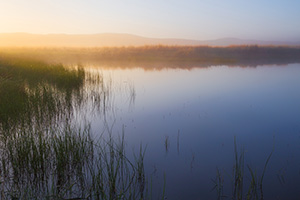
188,119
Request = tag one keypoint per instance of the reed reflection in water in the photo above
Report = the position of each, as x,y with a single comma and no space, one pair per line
47,148
209,107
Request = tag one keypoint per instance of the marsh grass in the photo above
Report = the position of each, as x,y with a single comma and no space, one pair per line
241,189
167,143
33,72
44,152
68,163
219,184
34,92
238,173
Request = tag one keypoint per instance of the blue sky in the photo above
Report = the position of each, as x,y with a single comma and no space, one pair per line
202,19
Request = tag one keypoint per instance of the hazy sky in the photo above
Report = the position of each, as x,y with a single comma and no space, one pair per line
191,19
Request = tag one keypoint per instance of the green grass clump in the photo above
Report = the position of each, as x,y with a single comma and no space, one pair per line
35,92
67,163
34,72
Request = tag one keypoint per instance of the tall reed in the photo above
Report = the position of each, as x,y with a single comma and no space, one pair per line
255,186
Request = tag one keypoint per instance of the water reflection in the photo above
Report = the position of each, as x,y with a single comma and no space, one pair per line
209,107
187,119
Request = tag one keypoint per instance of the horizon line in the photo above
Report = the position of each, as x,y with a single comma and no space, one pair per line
148,37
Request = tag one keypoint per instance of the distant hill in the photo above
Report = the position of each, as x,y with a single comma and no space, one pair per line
114,39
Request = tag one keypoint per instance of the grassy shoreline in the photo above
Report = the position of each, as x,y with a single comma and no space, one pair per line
186,55
44,152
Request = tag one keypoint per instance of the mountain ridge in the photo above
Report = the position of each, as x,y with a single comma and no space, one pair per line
21,39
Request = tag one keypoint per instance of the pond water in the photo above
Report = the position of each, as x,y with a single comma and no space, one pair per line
188,120
207,132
